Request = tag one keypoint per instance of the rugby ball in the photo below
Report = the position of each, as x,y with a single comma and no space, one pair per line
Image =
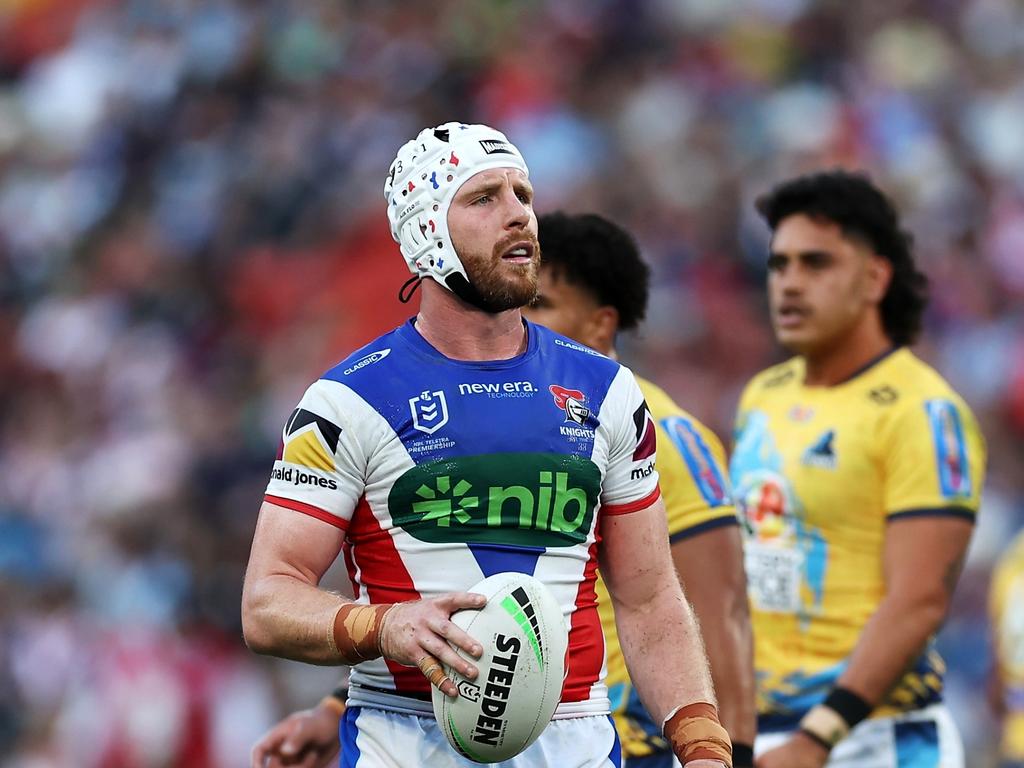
524,639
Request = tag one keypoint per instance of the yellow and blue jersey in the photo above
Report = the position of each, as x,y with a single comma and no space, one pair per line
1006,606
817,474
695,489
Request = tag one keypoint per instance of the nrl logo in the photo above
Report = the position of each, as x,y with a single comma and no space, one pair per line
572,402
429,411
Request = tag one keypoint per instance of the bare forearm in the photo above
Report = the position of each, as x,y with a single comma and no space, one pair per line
892,640
664,653
710,566
284,616
725,628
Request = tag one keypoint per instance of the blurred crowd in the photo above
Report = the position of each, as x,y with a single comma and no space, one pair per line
192,229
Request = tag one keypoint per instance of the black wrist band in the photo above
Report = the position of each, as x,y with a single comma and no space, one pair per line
817,739
848,705
340,693
742,755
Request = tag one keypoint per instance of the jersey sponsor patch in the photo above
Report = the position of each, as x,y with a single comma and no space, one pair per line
310,440
646,438
706,473
522,499
950,448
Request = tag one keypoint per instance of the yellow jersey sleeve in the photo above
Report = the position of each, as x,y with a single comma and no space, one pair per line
934,458
691,461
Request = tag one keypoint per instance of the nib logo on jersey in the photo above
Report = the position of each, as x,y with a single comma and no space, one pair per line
310,441
524,499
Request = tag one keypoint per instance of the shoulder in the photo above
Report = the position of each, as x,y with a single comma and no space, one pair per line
658,400
367,363
778,377
550,343
905,383
665,409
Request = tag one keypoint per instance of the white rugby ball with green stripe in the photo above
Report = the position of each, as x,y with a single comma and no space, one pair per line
524,638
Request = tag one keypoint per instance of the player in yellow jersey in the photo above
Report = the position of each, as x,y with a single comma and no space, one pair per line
857,470
1006,606
593,283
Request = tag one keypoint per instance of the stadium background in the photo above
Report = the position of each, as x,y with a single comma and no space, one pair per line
192,228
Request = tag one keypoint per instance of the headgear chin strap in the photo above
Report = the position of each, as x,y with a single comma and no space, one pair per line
423,179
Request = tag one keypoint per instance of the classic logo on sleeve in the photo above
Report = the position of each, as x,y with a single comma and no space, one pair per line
696,453
370,359
950,448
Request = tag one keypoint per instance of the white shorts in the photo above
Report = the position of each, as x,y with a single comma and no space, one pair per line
926,738
376,738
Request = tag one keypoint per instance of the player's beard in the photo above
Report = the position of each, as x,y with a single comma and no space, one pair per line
501,284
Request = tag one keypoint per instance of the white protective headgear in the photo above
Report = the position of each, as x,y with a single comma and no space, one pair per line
421,183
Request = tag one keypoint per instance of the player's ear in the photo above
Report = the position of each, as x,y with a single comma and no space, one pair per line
604,322
879,277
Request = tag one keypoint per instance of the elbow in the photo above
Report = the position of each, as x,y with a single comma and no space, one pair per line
737,606
928,610
254,628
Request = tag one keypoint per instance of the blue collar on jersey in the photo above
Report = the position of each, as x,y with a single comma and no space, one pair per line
407,332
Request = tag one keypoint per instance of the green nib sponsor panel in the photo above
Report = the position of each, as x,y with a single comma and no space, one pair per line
526,499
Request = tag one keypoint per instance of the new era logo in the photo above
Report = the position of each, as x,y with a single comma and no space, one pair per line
429,411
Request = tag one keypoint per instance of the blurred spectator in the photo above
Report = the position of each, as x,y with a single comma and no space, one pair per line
191,226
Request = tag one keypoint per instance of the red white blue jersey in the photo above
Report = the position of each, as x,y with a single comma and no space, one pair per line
443,472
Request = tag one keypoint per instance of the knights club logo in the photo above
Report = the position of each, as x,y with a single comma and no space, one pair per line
572,402
429,411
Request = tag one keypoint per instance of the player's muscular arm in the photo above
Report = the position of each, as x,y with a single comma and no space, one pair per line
710,566
659,636
286,614
923,558
657,631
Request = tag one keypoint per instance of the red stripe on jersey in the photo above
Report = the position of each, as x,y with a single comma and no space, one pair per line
586,640
385,579
308,509
350,564
633,506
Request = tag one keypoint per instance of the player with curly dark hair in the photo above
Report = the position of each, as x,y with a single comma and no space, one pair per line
864,215
858,471
598,256
594,283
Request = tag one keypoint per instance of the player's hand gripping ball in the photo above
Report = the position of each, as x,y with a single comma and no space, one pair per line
524,639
